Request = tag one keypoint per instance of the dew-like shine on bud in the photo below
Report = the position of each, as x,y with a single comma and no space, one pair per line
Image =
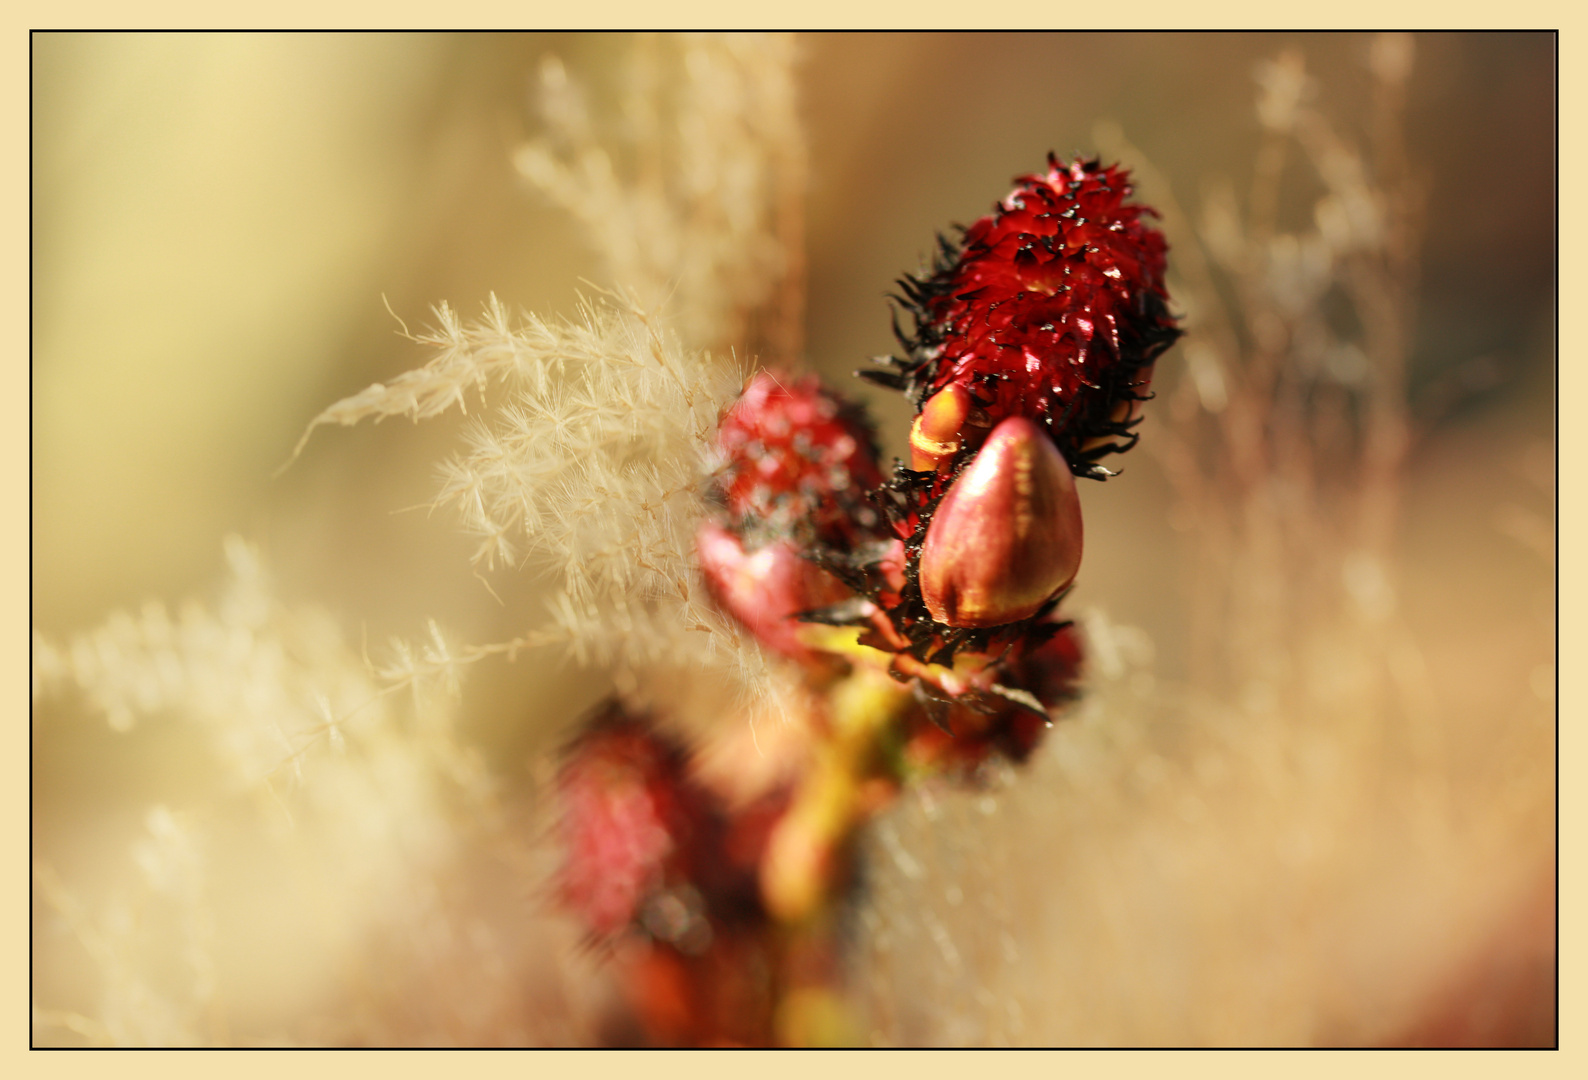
1007,536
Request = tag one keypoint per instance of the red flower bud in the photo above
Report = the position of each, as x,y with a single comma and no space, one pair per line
764,589
1007,536
1053,310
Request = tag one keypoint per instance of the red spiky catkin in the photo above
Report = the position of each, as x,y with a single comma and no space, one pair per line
798,466
796,457
1050,308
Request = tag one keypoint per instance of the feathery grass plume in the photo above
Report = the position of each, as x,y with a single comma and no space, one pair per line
588,467
322,800
1401,843
696,201
136,1006
269,686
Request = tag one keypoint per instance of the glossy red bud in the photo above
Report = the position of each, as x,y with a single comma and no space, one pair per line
1007,536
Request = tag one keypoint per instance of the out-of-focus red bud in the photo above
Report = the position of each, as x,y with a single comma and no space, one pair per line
764,589
1007,536
892,565
793,452
624,811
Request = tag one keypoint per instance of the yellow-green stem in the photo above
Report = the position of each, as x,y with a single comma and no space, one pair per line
805,852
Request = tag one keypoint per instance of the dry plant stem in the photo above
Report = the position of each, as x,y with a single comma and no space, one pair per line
1270,503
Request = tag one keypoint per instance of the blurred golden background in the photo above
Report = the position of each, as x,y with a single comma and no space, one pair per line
220,223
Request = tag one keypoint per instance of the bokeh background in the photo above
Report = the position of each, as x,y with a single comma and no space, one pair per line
220,224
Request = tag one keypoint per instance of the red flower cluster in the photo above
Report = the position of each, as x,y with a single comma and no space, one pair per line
798,464
799,543
1053,308
1032,350
1033,345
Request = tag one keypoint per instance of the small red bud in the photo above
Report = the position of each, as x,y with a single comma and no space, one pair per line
935,435
793,450
626,808
1007,536
766,588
